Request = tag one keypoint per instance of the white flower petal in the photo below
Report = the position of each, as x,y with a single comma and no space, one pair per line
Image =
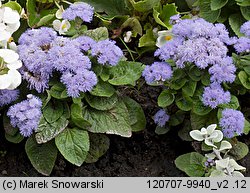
15,78
59,13
15,65
203,131
211,128
57,24
196,135
8,55
217,173
10,16
4,35
5,81
210,155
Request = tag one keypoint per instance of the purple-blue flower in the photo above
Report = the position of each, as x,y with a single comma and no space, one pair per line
157,72
161,118
232,122
175,19
79,9
245,28
67,57
26,115
80,81
107,52
84,42
8,96
214,95
223,71
242,45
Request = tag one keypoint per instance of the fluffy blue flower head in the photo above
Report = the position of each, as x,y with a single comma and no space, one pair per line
107,52
245,29
157,72
26,115
79,9
232,122
214,95
242,45
8,96
161,118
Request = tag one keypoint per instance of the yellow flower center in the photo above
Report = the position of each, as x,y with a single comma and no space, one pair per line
168,38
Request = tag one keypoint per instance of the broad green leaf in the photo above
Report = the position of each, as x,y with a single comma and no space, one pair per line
14,5
134,24
102,103
166,98
184,103
243,2
41,156
239,151
125,73
97,34
178,84
136,114
148,39
47,131
198,121
246,127
189,88
45,20
162,15
194,73
161,130
17,138
8,128
73,144
114,121
103,89
235,21
245,11
218,4
183,133
77,116
199,108
53,111
244,79
233,104
191,164
110,7
58,91
143,5
206,12
33,16
177,118
99,145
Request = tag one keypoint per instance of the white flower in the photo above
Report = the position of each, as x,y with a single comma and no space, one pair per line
127,37
10,78
9,20
163,37
59,12
209,134
61,26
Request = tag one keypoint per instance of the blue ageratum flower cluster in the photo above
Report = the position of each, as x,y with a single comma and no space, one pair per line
232,123
81,10
157,72
43,52
242,44
205,45
8,96
26,115
161,118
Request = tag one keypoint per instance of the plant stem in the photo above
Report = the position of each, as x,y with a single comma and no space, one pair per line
129,51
